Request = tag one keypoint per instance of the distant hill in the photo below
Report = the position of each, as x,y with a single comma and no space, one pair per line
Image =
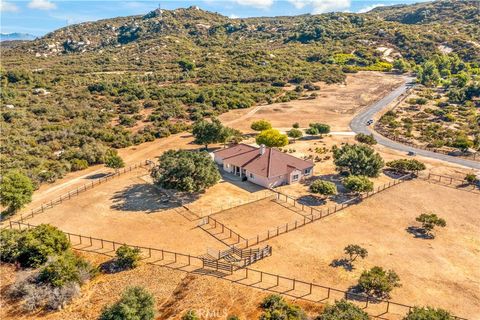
16,36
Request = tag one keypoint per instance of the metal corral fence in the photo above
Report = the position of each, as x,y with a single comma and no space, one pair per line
474,156
454,182
81,189
265,281
260,195
313,214
166,258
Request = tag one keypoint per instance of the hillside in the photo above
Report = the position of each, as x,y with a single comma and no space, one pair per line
72,94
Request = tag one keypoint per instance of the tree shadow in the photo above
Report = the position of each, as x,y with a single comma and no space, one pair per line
98,175
344,263
148,198
418,232
109,267
311,201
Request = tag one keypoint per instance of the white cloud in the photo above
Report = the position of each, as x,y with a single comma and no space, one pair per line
8,7
233,16
366,9
322,6
42,5
299,4
261,4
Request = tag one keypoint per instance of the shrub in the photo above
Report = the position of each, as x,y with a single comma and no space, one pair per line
358,184
261,125
113,160
428,313
296,125
343,310
37,244
318,128
64,269
78,164
190,315
9,248
136,303
358,159
127,258
186,171
323,187
275,307
272,138
366,138
406,165
378,282
471,178
16,190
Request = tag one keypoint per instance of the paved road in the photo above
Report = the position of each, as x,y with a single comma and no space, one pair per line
359,125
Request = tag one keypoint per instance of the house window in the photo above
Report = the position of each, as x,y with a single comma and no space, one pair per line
307,171
295,177
251,175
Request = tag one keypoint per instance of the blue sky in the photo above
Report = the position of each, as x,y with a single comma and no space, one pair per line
39,17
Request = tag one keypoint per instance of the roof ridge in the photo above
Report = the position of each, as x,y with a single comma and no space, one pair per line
268,161
239,154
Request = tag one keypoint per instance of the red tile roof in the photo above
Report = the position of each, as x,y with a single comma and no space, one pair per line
272,163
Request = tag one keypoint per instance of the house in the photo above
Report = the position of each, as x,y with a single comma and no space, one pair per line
267,167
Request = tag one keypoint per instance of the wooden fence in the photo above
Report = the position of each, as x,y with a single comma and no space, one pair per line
265,194
454,182
265,281
313,214
75,192
224,234
298,289
166,258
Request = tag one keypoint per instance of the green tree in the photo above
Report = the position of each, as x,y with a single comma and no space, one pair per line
428,74
401,65
16,190
295,134
429,221
366,138
186,65
127,257
113,160
207,132
406,165
358,184
135,304
230,135
37,244
261,125
272,138
323,187
428,313
187,171
318,128
343,310
378,282
276,308
354,251
358,159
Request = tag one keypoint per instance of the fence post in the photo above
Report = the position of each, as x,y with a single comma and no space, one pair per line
101,243
91,242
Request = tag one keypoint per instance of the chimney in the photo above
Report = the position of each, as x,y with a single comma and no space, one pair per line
262,149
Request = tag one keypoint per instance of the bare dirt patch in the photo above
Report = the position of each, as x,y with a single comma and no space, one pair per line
129,210
447,269
334,105
175,293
